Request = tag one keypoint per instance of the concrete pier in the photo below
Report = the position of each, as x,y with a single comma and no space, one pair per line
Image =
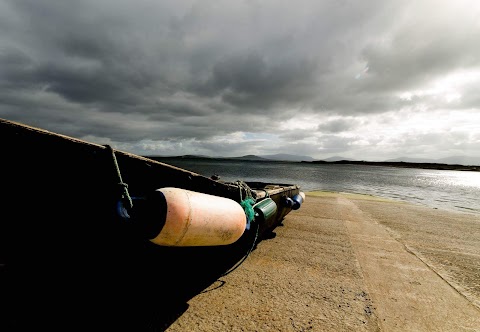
346,262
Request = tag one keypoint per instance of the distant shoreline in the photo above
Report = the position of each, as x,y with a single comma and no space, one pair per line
398,164
403,164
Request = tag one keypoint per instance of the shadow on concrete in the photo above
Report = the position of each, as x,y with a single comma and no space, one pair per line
59,274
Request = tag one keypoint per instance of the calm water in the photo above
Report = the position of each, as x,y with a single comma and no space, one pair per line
453,190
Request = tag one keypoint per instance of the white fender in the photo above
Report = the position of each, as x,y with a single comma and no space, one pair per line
303,195
197,219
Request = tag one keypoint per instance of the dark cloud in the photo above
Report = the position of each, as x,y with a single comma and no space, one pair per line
195,71
251,82
336,125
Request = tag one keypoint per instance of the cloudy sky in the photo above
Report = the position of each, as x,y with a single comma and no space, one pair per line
369,80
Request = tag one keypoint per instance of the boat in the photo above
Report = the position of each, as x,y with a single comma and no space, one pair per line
85,223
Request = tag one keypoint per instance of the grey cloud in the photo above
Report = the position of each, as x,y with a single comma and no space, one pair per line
336,125
191,70
296,135
16,70
429,46
335,143
96,58
298,148
250,81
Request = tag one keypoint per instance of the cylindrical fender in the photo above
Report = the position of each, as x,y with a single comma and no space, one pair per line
303,195
287,201
196,219
265,209
298,200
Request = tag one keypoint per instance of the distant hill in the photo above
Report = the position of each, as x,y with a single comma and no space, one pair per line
337,158
192,156
460,160
410,160
287,157
249,157
186,156
452,160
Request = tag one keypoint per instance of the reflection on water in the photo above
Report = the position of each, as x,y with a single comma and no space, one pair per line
455,190
442,178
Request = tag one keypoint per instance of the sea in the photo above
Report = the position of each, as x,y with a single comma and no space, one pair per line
441,189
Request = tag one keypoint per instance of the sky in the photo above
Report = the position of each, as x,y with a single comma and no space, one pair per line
367,80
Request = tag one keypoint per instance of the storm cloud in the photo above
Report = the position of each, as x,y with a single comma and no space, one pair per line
239,77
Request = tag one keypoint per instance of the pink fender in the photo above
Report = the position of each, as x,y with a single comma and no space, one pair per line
197,219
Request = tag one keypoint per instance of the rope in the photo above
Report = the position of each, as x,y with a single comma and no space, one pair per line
247,205
125,196
242,186
248,202
247,254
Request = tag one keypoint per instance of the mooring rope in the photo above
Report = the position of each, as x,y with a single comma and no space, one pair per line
248,202
125,196
242,186
246,255
247,205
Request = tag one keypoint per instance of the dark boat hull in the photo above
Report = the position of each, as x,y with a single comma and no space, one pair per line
62,240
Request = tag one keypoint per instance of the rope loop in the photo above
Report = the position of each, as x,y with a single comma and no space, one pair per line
243,187
247,205
254,242
248,202
123,187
